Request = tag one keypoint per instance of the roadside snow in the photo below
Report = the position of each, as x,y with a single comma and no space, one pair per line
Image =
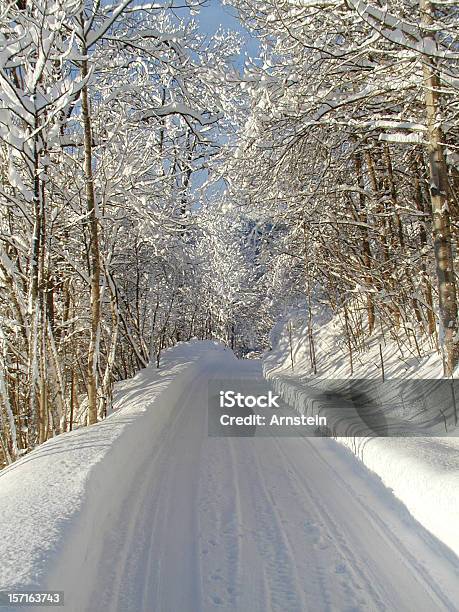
80,468
145,511
423,472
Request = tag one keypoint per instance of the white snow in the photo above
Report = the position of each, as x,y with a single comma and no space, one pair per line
145,512
423,472
41,494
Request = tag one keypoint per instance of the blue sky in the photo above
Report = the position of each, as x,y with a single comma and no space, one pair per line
210,18
215,14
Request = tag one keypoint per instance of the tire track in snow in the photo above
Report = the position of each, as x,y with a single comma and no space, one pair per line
129,551
363,566
220,526
326,584
113,546
174,537
309,544
355,582
282,578
387,533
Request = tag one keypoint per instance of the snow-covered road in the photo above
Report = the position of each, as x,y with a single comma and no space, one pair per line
256,524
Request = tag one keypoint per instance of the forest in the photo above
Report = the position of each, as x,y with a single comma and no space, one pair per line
155,187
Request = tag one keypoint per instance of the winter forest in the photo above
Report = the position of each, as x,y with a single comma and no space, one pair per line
158,185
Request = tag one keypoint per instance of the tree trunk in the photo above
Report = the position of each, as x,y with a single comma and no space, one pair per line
439,198
93,248
365,243
419,199
34,419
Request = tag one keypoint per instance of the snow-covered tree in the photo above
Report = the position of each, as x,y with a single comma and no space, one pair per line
351,142
107,112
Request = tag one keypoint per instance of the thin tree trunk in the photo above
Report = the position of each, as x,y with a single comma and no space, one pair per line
439,198
392,192
419,199
93,248
365,243
312,350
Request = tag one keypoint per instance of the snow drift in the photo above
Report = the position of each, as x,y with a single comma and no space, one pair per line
423,472
55,500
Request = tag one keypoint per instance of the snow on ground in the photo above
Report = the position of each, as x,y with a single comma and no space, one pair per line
401,360
423,472
42,494
145,511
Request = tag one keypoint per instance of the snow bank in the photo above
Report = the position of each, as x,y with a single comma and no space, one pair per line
401,360
54,500
423,472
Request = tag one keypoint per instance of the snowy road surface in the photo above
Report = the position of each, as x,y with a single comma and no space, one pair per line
257,524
